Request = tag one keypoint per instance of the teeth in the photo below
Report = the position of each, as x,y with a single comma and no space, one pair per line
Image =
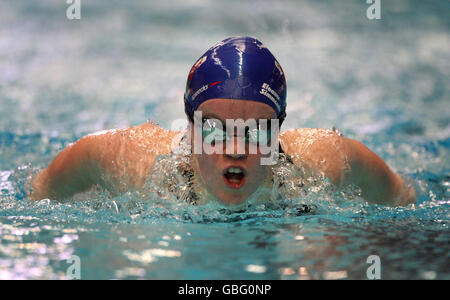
234,170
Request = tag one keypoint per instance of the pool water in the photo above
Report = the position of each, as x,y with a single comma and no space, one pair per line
383,82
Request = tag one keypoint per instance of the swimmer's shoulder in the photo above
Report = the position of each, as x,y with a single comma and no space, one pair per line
153,138
302,139
148,137
128,154
318,150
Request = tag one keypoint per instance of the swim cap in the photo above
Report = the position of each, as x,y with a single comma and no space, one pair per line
238,67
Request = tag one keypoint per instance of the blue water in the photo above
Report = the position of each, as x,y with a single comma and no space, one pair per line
383,82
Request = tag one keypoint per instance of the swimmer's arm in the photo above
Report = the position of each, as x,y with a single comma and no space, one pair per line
377,181
346,161
72,171
117,160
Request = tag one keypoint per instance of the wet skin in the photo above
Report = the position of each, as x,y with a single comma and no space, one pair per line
120,160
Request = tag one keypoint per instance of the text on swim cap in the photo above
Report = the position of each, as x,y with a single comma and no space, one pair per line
270,93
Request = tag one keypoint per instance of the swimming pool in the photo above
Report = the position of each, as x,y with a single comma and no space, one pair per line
383,82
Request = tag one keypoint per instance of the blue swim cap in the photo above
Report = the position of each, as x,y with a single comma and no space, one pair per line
238,67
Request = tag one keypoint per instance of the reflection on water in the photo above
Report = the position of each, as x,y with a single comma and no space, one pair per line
382,82
306,247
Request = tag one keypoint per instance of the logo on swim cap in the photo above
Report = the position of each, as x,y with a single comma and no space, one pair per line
204,88
237,68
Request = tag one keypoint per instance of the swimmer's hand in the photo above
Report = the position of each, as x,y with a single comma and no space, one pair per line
346,161
118,160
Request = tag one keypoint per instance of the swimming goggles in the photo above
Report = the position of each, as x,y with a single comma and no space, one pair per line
213,131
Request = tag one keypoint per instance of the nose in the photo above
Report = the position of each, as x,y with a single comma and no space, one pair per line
236,148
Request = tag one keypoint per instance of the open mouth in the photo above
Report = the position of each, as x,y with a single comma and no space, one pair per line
234,177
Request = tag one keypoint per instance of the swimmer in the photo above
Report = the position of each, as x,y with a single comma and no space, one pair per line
236,79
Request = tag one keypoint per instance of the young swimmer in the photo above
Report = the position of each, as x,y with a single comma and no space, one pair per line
236,80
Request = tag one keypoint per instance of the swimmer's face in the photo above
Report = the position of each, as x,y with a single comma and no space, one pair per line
234,177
